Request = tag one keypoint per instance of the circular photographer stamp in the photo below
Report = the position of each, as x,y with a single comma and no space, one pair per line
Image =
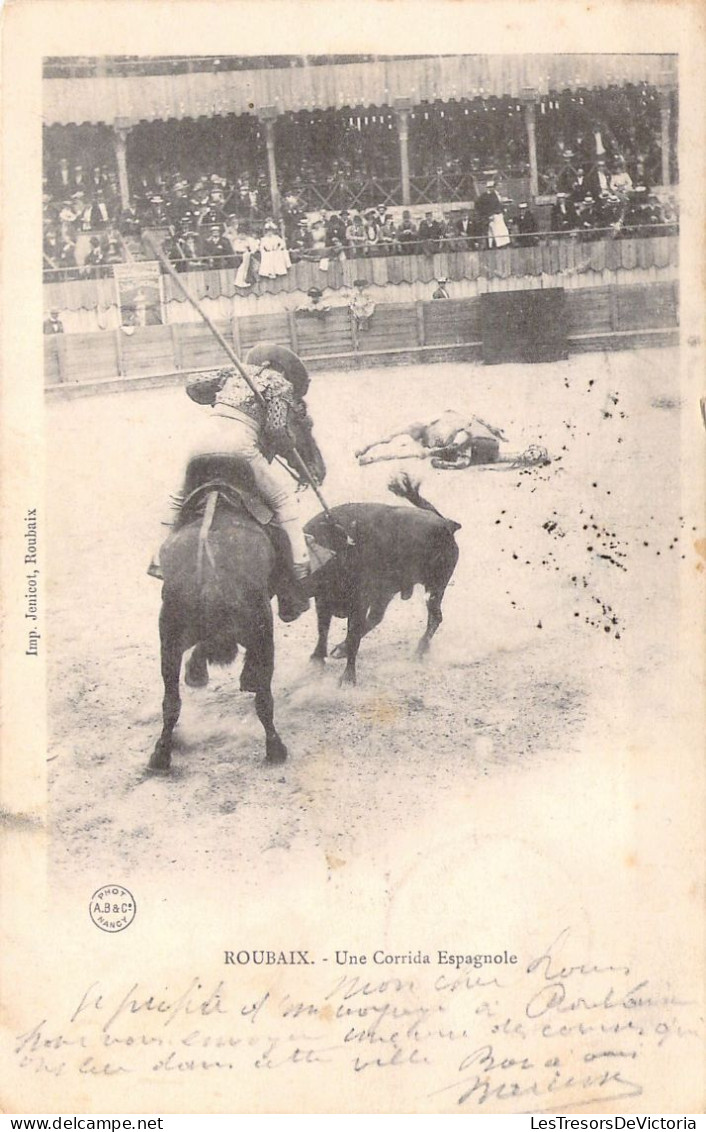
112,908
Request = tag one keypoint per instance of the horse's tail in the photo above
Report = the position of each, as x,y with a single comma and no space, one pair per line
407,488
221,645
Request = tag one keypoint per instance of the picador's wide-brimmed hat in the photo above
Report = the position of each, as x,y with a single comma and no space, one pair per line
203,387
281,358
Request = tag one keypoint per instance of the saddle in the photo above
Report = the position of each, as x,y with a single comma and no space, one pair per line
230,479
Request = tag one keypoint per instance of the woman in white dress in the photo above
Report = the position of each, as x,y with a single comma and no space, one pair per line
498,235
274,259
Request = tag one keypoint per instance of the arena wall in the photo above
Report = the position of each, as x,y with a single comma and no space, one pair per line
599,318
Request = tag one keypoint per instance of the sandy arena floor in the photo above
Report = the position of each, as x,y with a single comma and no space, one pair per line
559,624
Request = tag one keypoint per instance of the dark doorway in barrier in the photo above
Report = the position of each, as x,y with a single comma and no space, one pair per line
524,326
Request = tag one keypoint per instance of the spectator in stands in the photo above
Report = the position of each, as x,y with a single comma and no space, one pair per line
217,248
129,222
388,242
620,179
173,251
407,234
67,254
94,257
372,232
429,233
188,243
356,237
274,257
563,217
113,252
318,235
640,178
498,235
464,230
526,227
96,215
567,175
301,245
335,229
487,206
598,183
589,217
231,230
337,250
53,324
579,187
441,291
248,247
52,251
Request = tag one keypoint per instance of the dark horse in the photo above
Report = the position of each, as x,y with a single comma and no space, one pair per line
220,570
392,549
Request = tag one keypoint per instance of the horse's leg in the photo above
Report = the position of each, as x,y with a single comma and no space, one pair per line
377,611
196,668
356,629
260,659
323,621
249,677
171,654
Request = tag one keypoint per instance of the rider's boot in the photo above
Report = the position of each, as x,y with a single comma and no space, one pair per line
292,599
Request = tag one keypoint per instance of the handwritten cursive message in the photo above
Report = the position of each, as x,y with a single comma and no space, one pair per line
546,1034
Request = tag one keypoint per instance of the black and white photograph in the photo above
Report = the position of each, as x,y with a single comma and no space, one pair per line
354,562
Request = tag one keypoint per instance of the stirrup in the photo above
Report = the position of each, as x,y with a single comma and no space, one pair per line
154,570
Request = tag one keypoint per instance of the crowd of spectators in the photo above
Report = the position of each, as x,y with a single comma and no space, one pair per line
205,184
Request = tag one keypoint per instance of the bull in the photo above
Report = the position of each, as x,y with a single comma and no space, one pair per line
390,550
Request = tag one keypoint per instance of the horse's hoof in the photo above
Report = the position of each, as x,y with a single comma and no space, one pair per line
276,751
196,673
317,661
348,678
339,651
164,771
161,759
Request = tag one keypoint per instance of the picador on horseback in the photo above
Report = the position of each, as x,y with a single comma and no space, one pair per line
253,424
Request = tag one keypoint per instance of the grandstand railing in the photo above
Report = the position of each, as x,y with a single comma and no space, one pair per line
415,247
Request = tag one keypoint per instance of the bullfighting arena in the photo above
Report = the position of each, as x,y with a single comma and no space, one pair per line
560,629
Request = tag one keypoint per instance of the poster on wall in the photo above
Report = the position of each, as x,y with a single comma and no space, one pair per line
140,294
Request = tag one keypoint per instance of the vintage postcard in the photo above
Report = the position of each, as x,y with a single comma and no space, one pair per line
353,558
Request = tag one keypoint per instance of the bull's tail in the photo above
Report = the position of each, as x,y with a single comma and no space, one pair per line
407,488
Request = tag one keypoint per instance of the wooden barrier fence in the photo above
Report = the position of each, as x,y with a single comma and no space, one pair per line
599,318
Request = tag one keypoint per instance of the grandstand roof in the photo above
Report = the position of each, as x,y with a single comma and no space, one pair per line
132,97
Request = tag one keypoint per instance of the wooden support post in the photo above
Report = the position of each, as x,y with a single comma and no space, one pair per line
121,129
529,101
665,113
119,352
355,338
403,107
235,334
293,334
58,339
177,355
268,116
421,327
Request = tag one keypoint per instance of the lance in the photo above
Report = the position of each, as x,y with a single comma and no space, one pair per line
297,459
